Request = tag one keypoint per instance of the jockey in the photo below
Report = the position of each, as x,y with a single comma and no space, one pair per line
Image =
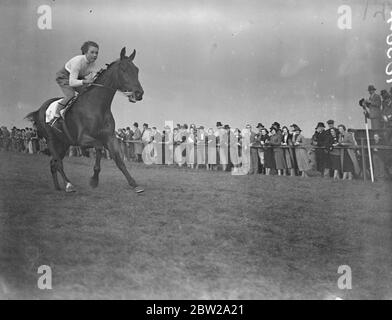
76,73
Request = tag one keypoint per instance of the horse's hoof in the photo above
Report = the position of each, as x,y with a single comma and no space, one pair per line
69,188
139,190
93,183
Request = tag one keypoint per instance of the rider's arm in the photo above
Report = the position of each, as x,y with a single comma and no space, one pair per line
74,66
73,77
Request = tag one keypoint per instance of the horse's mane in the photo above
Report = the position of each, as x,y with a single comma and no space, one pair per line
99,75
101,72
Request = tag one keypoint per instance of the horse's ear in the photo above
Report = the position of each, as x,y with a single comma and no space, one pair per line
132,56
122,54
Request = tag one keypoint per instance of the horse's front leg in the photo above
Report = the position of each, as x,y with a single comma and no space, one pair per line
97,168
114,148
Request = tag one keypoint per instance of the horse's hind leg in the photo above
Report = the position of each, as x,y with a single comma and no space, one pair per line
53,170
58,152
114,149
97,168
68,185
53,164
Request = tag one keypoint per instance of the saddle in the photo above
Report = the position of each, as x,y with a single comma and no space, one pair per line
68,106
58,123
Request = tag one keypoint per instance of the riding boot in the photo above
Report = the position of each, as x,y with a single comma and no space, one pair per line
53,121
61,109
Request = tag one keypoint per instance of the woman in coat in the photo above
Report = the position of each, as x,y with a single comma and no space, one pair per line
211,154
276,141
287,150
301,152
348,159
334,155
269,161
179,147
190,147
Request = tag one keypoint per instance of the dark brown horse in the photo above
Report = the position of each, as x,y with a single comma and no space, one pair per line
90,123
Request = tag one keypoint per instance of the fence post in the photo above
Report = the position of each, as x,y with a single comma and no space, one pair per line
363,159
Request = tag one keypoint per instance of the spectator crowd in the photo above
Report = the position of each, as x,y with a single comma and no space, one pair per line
282,150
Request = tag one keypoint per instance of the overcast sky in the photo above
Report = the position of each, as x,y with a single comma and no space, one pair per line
200,62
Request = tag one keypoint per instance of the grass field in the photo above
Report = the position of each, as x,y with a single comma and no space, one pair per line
191,235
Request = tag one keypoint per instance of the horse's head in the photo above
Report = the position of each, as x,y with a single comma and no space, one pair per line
127,77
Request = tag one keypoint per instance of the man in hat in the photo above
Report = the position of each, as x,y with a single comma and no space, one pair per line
200,147
218,134
224,147
253,152
373,103
295,131
168,144
137,137
331,126
322,140
219,127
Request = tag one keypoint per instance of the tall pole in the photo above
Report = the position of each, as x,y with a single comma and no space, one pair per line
363,159
369,150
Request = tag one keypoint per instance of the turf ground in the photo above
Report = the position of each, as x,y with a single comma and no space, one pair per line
191,235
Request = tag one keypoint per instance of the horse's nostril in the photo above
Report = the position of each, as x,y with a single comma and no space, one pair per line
139,95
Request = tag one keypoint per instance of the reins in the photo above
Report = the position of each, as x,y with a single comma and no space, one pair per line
102,86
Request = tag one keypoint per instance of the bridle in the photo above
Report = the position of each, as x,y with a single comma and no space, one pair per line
99,73
126,93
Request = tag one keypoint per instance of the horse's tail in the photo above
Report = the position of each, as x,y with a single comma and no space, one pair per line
34,118
38,118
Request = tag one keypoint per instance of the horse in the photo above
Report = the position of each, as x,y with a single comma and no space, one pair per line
89,122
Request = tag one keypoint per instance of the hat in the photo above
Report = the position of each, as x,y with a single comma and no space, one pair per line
296,128
320,124
383,92
219,124
276,124
371,88
259,125
274,128
226,127
145,125
330,122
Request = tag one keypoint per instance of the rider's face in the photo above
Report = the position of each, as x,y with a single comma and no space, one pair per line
92,54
